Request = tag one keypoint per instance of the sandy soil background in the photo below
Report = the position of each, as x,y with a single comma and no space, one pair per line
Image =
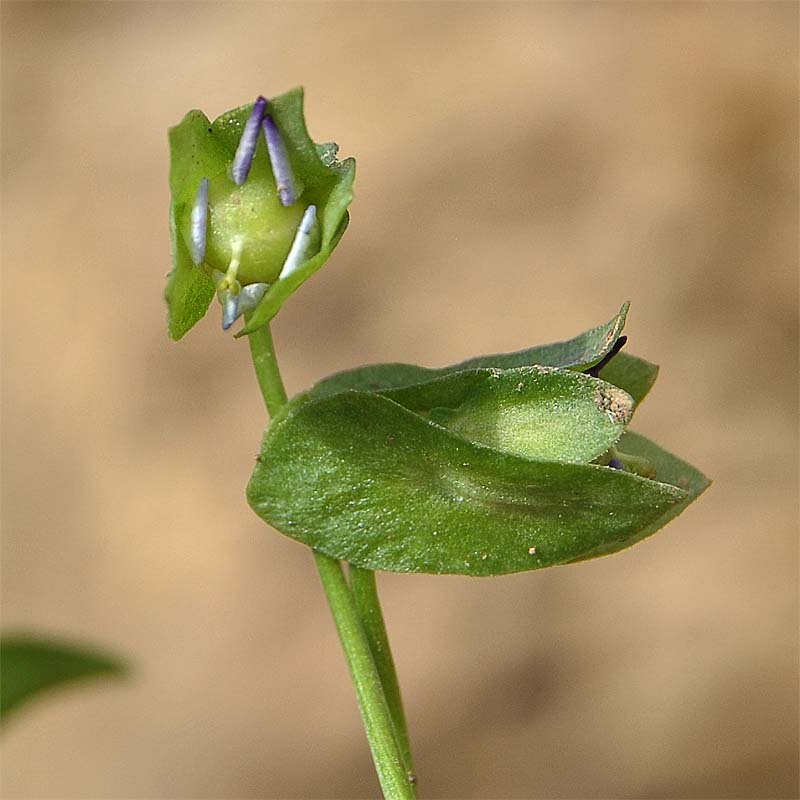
523,168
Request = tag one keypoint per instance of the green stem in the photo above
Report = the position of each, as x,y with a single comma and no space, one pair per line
369,690
378,725
365,594
267,371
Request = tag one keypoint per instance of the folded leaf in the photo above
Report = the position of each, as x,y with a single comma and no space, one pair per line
360,478
542,413
31,665
582,352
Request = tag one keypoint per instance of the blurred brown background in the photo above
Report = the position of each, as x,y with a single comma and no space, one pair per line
523,168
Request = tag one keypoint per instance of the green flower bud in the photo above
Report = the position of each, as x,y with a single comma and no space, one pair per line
256,206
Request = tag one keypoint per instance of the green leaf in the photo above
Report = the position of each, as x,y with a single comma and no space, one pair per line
31,665
541,413
580,353
631,373
360,478
669,469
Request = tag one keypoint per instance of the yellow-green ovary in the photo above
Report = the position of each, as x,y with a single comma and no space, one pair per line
253,214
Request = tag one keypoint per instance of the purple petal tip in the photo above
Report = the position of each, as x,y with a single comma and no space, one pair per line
281,166
243,159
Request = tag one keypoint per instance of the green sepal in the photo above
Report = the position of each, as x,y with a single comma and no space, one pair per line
579,353
195,153
189,289
363,479
31,665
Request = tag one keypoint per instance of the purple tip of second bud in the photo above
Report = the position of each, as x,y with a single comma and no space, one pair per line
199,220
281,167
615,463
243,159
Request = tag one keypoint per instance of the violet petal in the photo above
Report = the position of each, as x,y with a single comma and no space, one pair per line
243,159
281,167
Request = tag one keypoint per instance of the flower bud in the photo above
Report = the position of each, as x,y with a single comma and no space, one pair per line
255,203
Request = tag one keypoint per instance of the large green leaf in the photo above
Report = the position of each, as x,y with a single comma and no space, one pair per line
31,665
540,412
578,353
360,478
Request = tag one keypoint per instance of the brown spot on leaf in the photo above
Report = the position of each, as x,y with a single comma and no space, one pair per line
616,403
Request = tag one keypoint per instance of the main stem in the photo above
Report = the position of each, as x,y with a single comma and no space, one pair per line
365,594
384,741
